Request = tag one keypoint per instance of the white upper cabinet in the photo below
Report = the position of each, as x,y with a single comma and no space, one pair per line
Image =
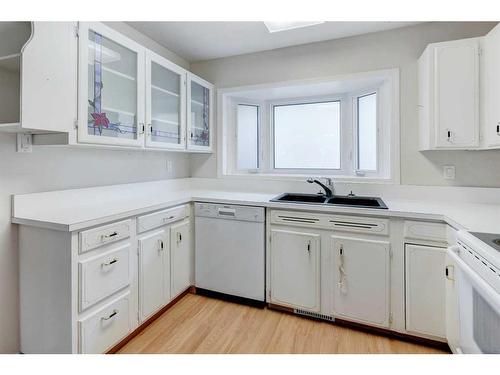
165,103
491,118
98,87
111,87
38,63
199,114
130,96
449,95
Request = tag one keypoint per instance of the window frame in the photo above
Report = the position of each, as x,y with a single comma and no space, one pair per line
248,103
355,125
342,99
387,82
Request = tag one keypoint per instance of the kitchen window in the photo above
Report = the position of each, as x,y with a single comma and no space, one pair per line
247,137
306,135
366,132
349,132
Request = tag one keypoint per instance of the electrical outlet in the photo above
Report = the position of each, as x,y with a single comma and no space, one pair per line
449,172
24,142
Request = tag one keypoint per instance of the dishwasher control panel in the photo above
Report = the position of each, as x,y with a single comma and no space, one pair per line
231,212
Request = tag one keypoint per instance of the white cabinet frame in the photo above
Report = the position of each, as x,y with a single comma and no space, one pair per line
448,85
150,58
189,146
83,76
491,90
425,299
358,279
289,297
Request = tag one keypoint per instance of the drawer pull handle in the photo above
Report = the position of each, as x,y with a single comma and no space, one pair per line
168,218
114,313
105,237
110,263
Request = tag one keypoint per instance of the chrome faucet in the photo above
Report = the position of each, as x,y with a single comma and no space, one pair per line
328,186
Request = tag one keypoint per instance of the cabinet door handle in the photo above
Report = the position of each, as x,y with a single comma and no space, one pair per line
114,313
110,263
160,245
142,127
498,128
179,237
342,273
448,136
309,247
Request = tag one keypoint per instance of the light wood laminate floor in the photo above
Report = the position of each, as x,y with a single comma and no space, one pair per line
198,324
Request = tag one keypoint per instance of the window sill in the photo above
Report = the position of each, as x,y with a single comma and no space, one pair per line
302,177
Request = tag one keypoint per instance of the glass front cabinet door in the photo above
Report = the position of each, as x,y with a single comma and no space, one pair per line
111,87
199,114
165,103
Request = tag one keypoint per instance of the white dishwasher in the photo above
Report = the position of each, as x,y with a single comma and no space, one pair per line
230,250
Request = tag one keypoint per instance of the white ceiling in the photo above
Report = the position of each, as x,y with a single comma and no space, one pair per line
197,41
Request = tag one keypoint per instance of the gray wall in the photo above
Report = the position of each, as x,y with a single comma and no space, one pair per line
53,168
389,49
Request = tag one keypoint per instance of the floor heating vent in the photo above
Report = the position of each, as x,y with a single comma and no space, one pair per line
314,315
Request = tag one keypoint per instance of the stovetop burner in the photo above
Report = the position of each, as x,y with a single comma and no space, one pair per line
490,238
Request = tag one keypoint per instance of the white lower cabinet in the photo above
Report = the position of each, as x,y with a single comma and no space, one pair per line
107,326
425,290
181,257
102,275
154,272
451,307
85,291
295,269
362,280
165,266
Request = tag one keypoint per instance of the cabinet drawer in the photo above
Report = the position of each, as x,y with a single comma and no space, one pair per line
344,223
157,219
303,219
103,275
106,327
421,230
93,238
359,224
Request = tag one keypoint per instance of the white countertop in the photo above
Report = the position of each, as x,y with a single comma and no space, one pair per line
71,210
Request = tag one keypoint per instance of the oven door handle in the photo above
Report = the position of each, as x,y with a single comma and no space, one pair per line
477,281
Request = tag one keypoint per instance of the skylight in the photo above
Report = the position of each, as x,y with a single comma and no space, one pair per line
274,27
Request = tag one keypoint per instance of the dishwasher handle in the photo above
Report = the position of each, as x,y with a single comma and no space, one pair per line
226,212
